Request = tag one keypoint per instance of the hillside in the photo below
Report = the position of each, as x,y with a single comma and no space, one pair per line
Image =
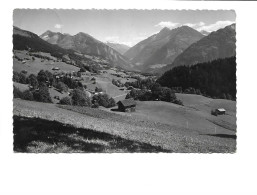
132,127
86,44
216,78
162,48
218,44
25,40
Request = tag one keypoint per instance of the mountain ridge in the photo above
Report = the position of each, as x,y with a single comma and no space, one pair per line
217,45
87,44
163,47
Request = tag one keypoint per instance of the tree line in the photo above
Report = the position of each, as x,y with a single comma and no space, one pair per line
39,90
216,79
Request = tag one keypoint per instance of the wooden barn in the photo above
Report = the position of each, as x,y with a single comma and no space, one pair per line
127,105
220,111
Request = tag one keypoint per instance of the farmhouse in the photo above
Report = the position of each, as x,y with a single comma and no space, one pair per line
220,111
127,105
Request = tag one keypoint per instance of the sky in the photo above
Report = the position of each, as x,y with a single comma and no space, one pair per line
121,26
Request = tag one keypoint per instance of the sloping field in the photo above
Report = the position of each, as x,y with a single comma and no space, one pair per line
38,64
168,137
204,105
20,86
195,115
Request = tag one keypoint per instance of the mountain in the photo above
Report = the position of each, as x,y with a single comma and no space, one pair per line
86,44
218,44
163,47
25,40
204,32
121,48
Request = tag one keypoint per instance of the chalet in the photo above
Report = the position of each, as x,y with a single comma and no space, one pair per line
220,111
127,105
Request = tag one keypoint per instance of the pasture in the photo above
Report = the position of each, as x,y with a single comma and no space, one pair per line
34,66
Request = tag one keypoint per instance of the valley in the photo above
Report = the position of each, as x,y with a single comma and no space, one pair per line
69,91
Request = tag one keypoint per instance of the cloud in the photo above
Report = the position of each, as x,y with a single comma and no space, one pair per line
194,25
112,38
197,26
116,39
172,25
167,24
215,26
58,26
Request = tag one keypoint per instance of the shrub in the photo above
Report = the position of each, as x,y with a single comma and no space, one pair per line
179,102
95,105
66,101
98,89
213,112
80,98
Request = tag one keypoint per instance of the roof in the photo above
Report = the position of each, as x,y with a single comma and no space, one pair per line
221,109
127,102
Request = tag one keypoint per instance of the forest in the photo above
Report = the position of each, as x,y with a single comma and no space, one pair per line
216,79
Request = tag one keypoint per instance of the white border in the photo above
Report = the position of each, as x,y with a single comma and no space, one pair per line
136,173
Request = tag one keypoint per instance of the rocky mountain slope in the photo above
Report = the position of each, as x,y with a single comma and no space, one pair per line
163,47
218,44
121,48
86,44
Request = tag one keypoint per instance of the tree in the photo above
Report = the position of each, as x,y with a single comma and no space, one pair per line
112,103
17,93
22,78
61,86
42,95
215,79
156,90
66,101
27,95
42,76
80,98
16,77
103,100
32,80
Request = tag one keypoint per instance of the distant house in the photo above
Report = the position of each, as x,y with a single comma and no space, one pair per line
127,105
220,111
55,68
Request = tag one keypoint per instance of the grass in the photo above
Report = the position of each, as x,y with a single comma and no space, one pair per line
34,135
36,65
133,128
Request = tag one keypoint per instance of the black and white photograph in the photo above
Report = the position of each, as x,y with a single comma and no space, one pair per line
128,97
124,81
